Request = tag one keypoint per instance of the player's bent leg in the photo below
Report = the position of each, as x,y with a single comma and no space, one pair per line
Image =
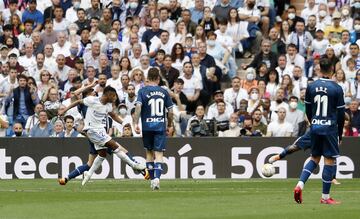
78,170
288,150
124,155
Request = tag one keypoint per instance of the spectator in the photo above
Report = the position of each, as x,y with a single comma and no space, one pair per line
58,128
168,72
51,102
192,86
189,24
295,117
43,128
18,130
234,128
354,114
279,101
33,119
254,100
154,31
25,98
234,94
250,81
207,22
301,39
197,126
257,125
348,130
280,127
127,131
213,109
333,32
265,56
69,128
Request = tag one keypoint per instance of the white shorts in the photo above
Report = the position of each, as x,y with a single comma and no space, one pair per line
99,137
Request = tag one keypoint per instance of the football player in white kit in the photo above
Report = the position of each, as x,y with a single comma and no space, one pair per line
95,119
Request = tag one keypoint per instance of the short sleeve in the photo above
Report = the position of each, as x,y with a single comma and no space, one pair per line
168,102
307,96
139,98
89,101
340,100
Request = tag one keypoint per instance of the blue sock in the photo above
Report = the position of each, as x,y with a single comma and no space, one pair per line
158,170
78,171
327,177
335,170
308,169
150,166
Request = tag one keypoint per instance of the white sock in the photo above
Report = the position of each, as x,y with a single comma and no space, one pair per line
325,196
300,184
122,155
97,163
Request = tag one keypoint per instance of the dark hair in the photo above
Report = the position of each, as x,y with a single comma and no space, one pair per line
28,21
292,7
32,79
173,54
22,76
292,45
68,117
293,98
109,89
153,74
273,71
124,57
326,66
80,9
163,8
237,15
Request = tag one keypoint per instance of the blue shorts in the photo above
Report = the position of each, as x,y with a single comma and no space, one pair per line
303,142
154,140
325,145
93,151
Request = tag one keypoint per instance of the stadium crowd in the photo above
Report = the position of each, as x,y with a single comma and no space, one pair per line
51,51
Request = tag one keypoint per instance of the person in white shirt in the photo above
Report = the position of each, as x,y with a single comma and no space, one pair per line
299,81
293,58
323,19
165,22
12,9
115,81
213,111
25,36
49,60
319,44
60,23
91,57
346,20
191,86
294,116
312,9
234,128
28,59
98,109
95,33
34,71
279,101
71,13
62,46
234,94
221,114
60,72
342,48
280,127
165,44
283,68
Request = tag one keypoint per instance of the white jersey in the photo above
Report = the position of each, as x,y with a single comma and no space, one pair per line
96,113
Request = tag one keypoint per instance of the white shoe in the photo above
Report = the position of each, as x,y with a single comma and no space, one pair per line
86,178
155,184
138,167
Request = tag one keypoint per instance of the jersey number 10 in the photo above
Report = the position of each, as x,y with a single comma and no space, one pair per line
322,102
157,107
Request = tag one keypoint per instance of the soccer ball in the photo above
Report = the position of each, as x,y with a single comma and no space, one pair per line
268,170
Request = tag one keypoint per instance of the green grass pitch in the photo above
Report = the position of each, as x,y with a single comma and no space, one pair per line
185,199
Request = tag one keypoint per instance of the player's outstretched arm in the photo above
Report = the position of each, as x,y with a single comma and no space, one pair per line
73,104
115,117
84,88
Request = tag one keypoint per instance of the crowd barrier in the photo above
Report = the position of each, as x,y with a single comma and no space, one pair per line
185,158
